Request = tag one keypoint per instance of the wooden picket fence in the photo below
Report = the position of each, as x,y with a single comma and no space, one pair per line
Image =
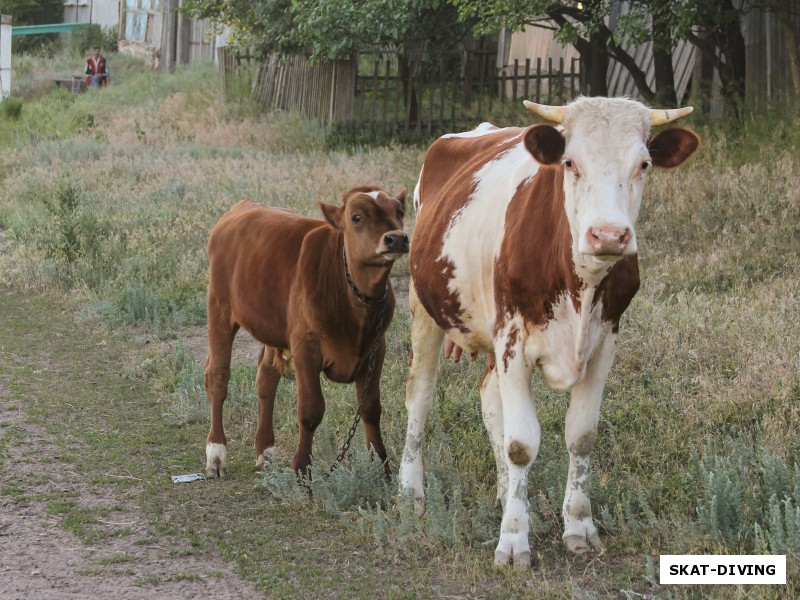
376,96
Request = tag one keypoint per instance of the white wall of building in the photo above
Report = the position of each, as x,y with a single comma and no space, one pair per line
102,12
5,56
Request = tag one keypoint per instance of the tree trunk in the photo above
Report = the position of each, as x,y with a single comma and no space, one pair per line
785,18
666,95
703,72
409,93
732,71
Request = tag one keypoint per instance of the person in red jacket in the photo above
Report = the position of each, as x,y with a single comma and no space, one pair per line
96,69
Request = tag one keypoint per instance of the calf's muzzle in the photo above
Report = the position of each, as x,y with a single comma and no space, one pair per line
396,242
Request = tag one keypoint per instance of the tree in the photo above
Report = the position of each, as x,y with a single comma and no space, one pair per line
585,25
714,26
330,29
33,12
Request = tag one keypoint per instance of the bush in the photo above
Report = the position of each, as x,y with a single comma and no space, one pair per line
85,38
11,108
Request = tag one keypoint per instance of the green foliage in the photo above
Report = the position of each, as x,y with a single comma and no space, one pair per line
84,39
357,483
747,499
68,235
327,30
11,107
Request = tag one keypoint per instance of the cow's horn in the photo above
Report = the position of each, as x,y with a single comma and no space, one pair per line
662,117
551,113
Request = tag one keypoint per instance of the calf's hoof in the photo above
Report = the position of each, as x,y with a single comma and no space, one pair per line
216,461
579,544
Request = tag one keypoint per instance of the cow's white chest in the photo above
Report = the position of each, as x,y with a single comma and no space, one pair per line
563,348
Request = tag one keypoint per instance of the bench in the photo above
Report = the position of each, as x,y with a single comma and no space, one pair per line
74,83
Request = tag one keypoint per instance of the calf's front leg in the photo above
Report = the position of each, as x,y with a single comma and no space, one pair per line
310,403
371,412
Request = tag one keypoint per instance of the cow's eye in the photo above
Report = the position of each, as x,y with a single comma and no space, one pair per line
646,164
570,165
356,218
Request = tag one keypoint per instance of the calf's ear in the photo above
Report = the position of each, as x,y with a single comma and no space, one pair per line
672,147
332,213
401,197
545,143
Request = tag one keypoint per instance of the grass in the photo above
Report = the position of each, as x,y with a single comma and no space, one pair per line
697,450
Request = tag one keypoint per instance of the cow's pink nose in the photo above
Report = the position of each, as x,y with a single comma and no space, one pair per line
609,240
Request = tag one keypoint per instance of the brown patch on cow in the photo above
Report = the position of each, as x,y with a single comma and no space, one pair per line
535,265
519,454
485,375
583,446
446,187
510,353
617,289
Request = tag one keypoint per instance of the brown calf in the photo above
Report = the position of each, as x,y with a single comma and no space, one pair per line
312,291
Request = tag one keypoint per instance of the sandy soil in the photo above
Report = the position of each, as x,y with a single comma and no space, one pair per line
41,561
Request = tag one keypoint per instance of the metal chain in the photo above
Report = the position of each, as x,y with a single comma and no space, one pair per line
370,370
361,295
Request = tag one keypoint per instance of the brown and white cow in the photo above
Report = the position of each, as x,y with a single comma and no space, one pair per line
312,291
525,248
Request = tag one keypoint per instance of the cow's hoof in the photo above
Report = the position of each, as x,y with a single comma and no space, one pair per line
519,561
267,457
579,544
216,461
513,549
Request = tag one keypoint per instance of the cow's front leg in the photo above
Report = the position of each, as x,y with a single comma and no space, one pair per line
310,402
580,533
371,412
521,445
426,345
492,410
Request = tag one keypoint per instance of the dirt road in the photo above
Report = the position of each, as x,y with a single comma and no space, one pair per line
43,499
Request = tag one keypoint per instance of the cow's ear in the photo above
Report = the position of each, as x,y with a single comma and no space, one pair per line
332,213
672,147
401,198
545,143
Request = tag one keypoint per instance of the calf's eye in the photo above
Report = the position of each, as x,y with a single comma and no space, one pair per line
356,218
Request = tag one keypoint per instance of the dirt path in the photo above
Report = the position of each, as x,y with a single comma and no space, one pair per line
42,499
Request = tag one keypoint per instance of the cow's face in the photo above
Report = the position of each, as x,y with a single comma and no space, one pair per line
372,222
606,152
